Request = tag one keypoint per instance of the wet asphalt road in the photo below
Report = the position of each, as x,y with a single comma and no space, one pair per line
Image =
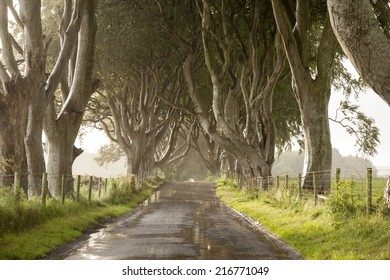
181,221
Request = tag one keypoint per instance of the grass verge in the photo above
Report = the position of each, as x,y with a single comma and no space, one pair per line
67,222
313,230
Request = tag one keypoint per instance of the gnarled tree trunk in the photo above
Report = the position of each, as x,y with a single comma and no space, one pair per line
311,85
363,41
62,130
13,122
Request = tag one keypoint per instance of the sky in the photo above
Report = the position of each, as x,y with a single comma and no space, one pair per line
373,106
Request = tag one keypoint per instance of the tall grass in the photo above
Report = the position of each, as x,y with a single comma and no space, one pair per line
17,213
338,228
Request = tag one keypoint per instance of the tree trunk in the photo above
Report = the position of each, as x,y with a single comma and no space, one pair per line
13,122
61,137
318,147
363,41
62,130
247,156
34,145
133,162
20,87
312,91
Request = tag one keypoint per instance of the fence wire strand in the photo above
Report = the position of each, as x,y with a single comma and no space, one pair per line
368,186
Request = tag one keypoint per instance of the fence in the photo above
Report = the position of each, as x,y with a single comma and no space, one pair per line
320,184
90,187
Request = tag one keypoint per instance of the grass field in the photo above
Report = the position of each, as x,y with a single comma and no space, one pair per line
30,231
328,231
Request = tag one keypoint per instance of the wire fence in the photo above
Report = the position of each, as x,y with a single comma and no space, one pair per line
44,186
367,187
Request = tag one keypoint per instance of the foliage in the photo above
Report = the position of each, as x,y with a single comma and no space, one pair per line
360,126
18,214
309,230
5,164
30,231
343,203
291,162
120,192
109,154
285,198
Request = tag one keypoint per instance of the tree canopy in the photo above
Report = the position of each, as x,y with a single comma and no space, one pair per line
237,82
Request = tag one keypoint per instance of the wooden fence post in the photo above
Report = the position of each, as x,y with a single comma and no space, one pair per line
17,185
369,190
286,182
315,188
338,171
105,186
90,188
100,186
44,189
63,188
78,185
277,182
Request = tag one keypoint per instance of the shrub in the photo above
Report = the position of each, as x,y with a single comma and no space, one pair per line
343,203
285,198
120,192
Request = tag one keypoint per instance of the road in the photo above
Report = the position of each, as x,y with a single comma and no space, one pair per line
182,221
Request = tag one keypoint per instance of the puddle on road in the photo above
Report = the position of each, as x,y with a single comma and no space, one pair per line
203,230
208,249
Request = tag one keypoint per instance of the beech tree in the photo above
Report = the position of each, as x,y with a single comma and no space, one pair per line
238,48
362,28
22,73
210,153
142,87
27,86
312,77
139,120
75,77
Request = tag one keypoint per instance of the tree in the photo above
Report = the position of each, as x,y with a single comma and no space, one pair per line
362,30
209,152
139,121
142,87
27,86
110,153
358,125
311,78
76,85
243,65
22,75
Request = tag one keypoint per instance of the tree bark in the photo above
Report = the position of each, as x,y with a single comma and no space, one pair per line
312,91
363,41
62,130
60,140
20,88
35,57
316,131
249,82
13,122
34,145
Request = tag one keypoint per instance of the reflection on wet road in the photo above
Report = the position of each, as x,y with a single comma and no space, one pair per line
181,221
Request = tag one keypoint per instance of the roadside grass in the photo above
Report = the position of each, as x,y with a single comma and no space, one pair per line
318,232
30,231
